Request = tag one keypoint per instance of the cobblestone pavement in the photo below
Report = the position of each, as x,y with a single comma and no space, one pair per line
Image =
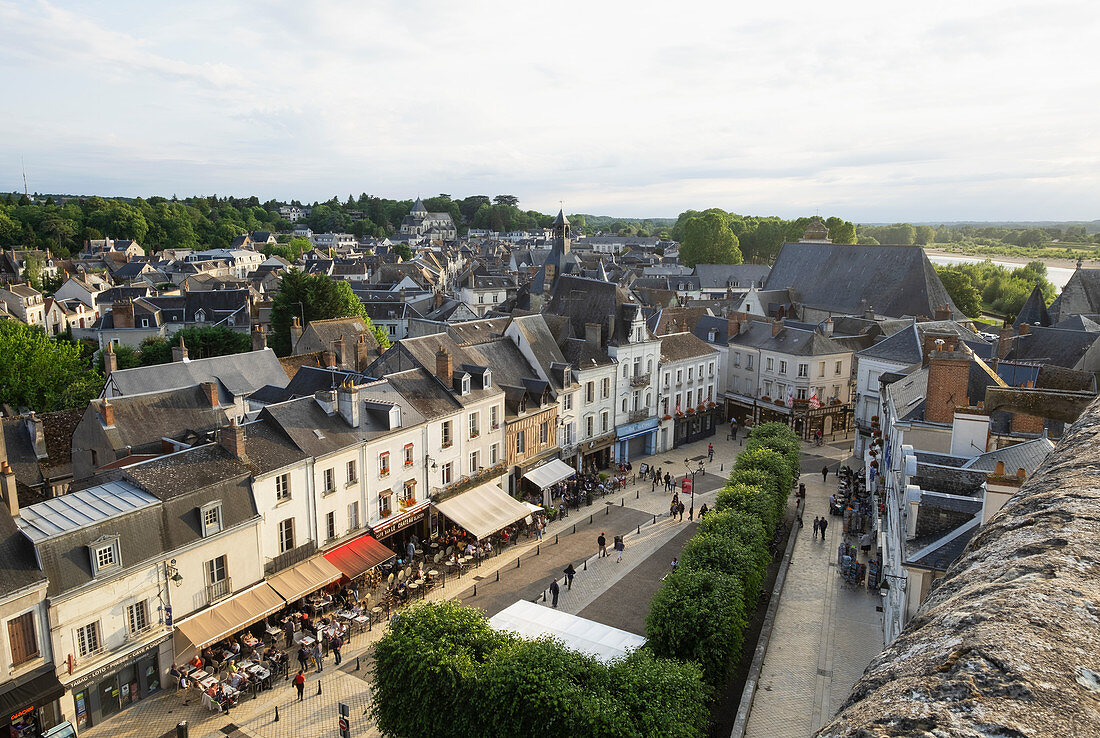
315,717
826,632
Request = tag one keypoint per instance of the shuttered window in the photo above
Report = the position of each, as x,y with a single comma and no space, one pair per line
21,636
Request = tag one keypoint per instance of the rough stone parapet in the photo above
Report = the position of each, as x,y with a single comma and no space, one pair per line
1008,642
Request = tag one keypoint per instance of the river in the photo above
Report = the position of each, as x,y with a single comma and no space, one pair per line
1058,276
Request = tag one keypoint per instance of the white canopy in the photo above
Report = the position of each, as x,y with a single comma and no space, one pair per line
550,474
483,510
587,636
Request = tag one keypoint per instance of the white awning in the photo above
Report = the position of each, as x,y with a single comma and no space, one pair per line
226,617
550,474
483,510
587,636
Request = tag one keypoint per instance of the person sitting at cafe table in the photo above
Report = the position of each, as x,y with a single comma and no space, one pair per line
401,592
238,681
197,662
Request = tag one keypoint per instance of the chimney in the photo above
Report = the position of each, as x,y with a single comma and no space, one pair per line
402,294
123,313
362,352
943,312
948,380
999,469
328,358
338,349
828,327
179,353
326,399
295,334
1021,475
443,365
439,299
110,361
733,327
1004,341
937,342
1025,328
231,438
210,392
107,410
259,340
347,397
471,279
777,326
592,333
7,488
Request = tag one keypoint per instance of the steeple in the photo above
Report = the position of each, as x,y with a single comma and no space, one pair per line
601,274
816,231
561,233
418,207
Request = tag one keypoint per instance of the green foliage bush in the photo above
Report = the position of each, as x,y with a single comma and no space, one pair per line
41,373
699,616
441,670
702,609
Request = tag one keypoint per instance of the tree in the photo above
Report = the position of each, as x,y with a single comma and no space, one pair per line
41,373
314,297
841,231
403,250
963,292
709,240
925,234
506,200
203,342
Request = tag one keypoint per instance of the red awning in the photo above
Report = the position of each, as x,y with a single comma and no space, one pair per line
357,556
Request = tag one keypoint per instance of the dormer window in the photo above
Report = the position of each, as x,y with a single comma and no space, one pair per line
105,555
487,379
465,384
211,517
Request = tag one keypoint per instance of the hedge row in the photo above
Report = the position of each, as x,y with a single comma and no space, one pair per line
441,670
701,611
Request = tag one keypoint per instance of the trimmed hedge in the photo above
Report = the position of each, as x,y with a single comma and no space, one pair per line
441,669
702,609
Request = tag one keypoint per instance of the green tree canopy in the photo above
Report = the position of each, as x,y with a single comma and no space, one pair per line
43,374
709,240
963,292
202,342
314,297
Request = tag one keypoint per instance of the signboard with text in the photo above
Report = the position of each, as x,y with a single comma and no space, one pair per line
685,486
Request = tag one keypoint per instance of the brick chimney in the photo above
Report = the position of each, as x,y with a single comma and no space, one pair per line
123,313
328,358
259,340
943,312
733,327
362,352
1025,328
338,350
295,334
210,392
443,365
948,380
179,353
110,360
999,469
1004,341
777,326
8,489
107,410
231,438
932,342
593,333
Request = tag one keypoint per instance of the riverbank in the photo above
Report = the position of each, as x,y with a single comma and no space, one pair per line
1055,262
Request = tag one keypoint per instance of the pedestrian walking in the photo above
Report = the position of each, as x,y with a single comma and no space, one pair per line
824,525
675,563
672,508
410,550
710,452
570,572
335,645
319,656
619,546
817,526
680,509
289,630
300,683
554,589
303,657
602,543
824,473
703,510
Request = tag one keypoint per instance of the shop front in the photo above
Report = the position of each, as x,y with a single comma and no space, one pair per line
695,427
359,555
112,688
224,619
636,440
596,454
483,510
546,475
30,703
518,487
396,530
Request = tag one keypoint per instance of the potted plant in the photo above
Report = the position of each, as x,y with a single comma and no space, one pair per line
666,417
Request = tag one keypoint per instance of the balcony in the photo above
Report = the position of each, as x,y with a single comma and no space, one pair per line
290,558
640,380
636,415
482,476
218,590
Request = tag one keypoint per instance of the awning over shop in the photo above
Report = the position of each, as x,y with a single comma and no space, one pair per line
301,579
587,636
39,688
550,474
483,510
358,556
227,617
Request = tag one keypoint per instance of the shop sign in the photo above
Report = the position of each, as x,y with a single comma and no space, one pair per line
390,528
21,713
125,661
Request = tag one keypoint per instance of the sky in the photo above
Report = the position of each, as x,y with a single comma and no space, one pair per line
872,111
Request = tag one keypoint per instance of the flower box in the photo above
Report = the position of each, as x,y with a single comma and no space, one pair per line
667,417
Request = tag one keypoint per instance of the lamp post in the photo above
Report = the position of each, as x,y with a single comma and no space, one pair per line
693,472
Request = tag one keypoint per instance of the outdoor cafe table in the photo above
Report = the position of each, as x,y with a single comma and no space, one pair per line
273,631
308,641
376,611
413,586
432,574
362,620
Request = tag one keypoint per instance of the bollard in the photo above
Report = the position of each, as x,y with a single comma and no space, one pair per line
574,527
475,590
555,538
544,595
589,519
655,520
181,728
538,549
498,575
357,663
586,564
517,562
607,510
639,530
622,501
276,713
318,686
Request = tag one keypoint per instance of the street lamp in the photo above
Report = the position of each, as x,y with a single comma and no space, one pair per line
693,472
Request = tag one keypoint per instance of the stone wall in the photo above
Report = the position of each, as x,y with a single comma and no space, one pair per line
1008,642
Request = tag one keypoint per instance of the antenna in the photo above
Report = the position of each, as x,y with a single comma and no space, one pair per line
24,168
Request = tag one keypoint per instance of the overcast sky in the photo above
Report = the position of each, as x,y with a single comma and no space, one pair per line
877,111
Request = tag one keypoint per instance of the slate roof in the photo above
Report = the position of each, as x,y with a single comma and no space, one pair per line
543,346
57,431
682,346
311,429
904,347
1027,456
1034,310
1077,323
585,300
946,549
792,341
1053,345
1083,283
18,565
142,420
82,509
320,335
897,281
908,392
718,276
583,354
240,374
